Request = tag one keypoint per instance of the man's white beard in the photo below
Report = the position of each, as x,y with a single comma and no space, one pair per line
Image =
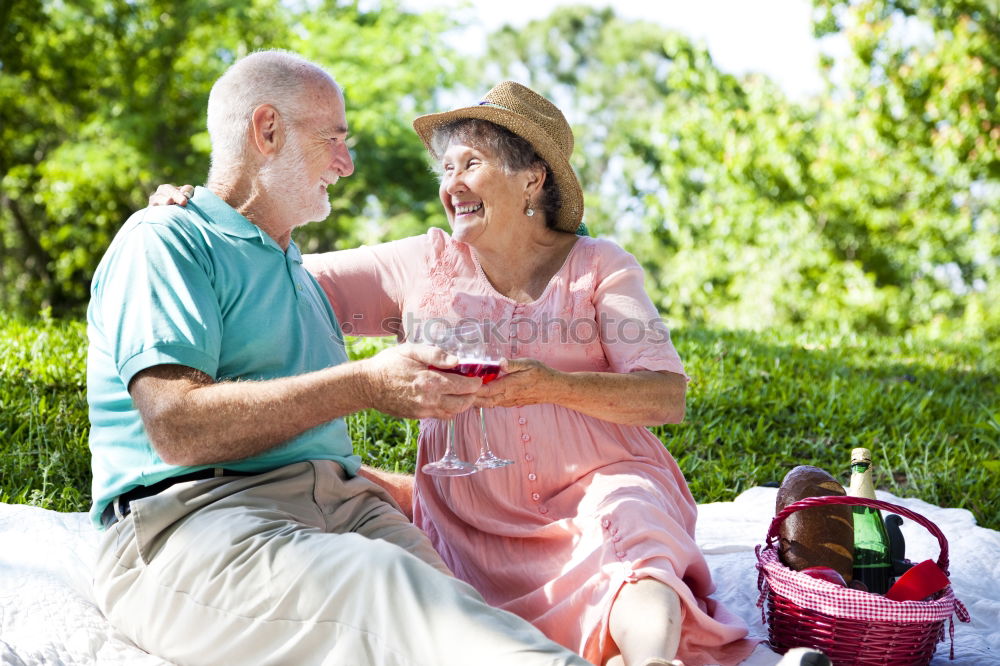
284,178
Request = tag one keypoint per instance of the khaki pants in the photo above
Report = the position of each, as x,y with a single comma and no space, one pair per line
297,566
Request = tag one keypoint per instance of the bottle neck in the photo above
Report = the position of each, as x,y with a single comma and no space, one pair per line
861,481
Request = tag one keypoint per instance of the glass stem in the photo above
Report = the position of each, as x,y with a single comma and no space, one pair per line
482,425
449,449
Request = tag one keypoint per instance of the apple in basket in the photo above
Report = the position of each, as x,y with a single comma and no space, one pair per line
825,573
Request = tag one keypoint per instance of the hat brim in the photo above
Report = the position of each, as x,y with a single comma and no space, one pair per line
571,210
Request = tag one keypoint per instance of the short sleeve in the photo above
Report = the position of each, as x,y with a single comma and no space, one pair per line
633,334
366,285
155,301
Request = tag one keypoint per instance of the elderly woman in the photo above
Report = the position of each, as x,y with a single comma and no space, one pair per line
590,535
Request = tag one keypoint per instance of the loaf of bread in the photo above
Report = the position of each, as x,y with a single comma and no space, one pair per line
820,536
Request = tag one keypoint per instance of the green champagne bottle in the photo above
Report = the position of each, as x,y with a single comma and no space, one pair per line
872,558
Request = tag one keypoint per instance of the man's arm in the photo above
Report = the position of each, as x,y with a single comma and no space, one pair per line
193,420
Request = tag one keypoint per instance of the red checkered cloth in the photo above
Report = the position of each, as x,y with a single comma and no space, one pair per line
832,599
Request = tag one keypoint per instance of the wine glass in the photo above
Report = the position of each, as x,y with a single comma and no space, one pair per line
451,341
489,369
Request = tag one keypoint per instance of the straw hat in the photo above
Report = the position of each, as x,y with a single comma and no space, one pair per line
536,120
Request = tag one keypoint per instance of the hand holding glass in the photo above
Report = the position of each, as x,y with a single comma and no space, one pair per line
489,369
478,356
448,340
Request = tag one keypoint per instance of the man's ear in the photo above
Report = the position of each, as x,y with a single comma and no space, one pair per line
266,129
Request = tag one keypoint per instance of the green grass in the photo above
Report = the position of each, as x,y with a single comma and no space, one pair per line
44,458
761,403
758,404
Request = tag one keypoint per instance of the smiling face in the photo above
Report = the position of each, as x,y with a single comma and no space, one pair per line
479,197
313,157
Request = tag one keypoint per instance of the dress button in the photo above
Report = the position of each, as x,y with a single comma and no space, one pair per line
536,496
522,420
528,457
620,554
525,437
605,523
617,539
532,477
543,510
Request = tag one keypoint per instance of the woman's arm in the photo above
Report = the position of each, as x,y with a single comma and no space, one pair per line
361,284
645,384
366,285
363,294
399,486
643,397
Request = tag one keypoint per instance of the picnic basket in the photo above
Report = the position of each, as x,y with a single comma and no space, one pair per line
853,628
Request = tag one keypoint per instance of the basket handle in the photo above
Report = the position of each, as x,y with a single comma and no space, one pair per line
825,500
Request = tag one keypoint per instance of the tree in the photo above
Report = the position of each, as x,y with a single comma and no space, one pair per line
748,210
871,207
702,176
922,91
111,101
392,65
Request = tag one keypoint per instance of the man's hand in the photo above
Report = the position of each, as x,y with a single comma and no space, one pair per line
525,382
401,383
168,194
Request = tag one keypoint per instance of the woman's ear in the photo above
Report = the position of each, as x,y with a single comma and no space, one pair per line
535,181
267,129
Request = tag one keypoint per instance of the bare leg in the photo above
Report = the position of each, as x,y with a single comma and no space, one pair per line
645,622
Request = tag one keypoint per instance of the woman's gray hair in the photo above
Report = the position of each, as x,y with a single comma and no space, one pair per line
514,153
274,77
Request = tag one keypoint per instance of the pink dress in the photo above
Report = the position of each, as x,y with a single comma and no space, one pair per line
589,505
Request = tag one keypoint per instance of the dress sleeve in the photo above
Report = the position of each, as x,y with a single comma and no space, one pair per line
633,335
366,285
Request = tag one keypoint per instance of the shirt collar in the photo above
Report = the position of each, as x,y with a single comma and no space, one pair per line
217,212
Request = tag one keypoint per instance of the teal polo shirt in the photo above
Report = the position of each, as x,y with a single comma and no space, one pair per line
204,287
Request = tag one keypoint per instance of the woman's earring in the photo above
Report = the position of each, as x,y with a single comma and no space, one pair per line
529,211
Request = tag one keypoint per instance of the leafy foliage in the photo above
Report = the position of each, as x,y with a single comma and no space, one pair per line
871,208
111,101
923,88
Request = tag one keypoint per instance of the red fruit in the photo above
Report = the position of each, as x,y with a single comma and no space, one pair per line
921,581
825,573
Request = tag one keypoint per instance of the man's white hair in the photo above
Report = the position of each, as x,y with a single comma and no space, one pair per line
274,77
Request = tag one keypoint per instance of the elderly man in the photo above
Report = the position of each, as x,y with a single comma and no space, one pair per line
237,528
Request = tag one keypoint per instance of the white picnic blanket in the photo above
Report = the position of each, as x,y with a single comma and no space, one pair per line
47,613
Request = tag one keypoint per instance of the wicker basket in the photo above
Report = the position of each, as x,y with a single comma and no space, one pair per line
850,626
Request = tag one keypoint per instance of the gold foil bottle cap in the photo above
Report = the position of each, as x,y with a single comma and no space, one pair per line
860,456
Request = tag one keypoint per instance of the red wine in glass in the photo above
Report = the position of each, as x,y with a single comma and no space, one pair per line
479,356
485,370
